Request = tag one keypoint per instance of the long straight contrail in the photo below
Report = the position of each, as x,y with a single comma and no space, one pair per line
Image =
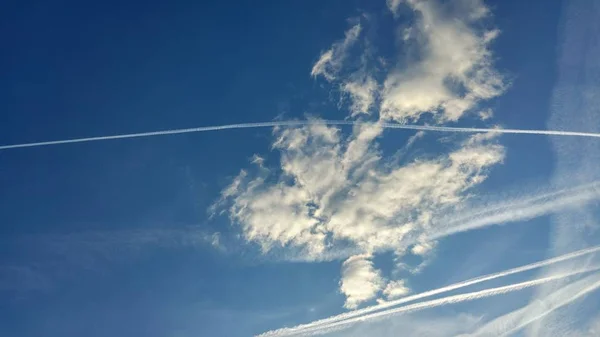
301,331
303,123
359,314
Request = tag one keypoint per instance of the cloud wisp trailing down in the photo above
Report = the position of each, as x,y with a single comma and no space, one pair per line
300,331
299,123
331,61
362,312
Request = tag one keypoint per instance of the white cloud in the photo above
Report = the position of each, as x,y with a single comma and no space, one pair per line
422,248
574,105
454,71
334,190
360,280
330,62
486,114
362,92
336,193
393,5
396,289
516,320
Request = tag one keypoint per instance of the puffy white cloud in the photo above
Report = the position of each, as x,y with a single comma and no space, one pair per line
360,280
454,70
332,190
330,62
335,193
396,289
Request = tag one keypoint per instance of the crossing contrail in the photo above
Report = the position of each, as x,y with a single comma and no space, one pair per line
302,123
302,331
362,313
508,324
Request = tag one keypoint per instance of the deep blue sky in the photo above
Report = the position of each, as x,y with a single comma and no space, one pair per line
71,259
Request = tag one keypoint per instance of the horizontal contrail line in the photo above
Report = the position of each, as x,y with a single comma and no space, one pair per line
301,331
303,123
362,312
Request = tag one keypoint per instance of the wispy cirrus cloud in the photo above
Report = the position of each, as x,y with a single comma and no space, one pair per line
362,92
46,258
415,324
574,104
516,320
331,61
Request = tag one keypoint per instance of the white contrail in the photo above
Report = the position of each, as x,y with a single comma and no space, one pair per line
559,305
479,211
530,210
361,312
301,331
516,320
511,211
303,123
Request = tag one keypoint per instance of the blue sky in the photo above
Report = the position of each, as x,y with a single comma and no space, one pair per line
243,232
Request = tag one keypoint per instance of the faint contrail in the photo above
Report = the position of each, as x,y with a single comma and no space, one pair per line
530,210
358,314
559,305
303,123
516,320
480,217
479,211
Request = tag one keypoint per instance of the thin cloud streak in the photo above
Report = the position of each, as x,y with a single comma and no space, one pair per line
529,208
384,125
481,210
575,197
300,331
364,311
518,319
580,294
